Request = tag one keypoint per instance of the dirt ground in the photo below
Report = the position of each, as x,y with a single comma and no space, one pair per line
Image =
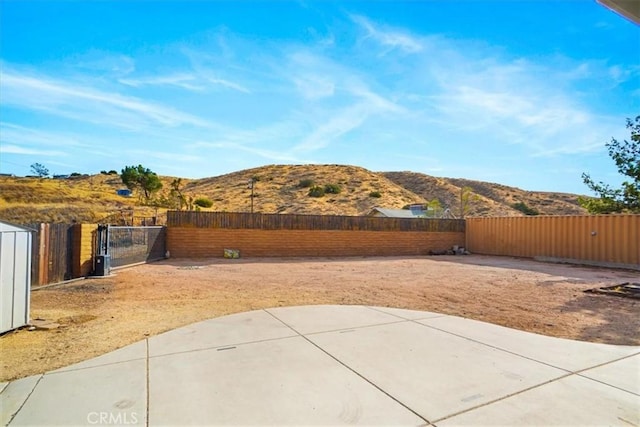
102,314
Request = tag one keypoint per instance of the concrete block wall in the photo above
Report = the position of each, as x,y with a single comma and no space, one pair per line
191,242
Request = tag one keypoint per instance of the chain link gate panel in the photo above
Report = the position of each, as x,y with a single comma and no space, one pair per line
131,245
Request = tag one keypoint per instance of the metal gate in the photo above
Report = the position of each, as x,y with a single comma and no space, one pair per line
131,245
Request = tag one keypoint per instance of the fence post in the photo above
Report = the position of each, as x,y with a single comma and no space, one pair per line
43,261
76,256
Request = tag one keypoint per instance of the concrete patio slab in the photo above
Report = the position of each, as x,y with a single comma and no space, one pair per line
115,392
278,382
337,365
571,401
624,374
321,318
434,373
561,353
14,395
220,332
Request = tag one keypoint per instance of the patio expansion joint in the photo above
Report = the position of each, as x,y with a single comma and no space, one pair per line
377,309
220,347
352,329
507,396
25,400
368,381
569,374
83,368
505,350
148,390
581,372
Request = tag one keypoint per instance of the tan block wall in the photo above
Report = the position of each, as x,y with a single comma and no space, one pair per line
190,242
84,236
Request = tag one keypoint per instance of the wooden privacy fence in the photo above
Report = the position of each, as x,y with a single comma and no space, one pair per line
52,253
607,240
207,234
61,252
253,221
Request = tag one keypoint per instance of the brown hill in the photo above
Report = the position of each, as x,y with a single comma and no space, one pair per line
276,189
546,203
488,199
84,198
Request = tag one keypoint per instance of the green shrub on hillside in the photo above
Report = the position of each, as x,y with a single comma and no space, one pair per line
375,194
332,189
522,207
306,183
203,202
316,191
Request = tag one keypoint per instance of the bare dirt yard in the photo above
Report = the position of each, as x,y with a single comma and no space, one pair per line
102,314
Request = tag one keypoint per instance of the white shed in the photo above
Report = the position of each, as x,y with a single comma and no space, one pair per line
15,276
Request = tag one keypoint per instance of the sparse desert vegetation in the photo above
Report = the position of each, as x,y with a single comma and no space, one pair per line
299,189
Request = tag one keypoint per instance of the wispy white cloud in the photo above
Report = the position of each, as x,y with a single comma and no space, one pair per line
216,69
211,78
104,62
504,100
165,155
375,102
342,122
67,99
229,146
338,99
183,80
21,135
315,86
389,38
346,120
603,25
15,149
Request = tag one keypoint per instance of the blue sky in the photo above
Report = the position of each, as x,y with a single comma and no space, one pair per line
523,93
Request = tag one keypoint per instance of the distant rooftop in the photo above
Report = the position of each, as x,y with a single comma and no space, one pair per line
397,213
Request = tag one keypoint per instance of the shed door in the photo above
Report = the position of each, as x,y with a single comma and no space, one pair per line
15,268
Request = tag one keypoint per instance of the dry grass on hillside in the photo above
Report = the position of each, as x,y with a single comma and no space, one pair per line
547,203
490,199
85,199
277,190
88,198
449,194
